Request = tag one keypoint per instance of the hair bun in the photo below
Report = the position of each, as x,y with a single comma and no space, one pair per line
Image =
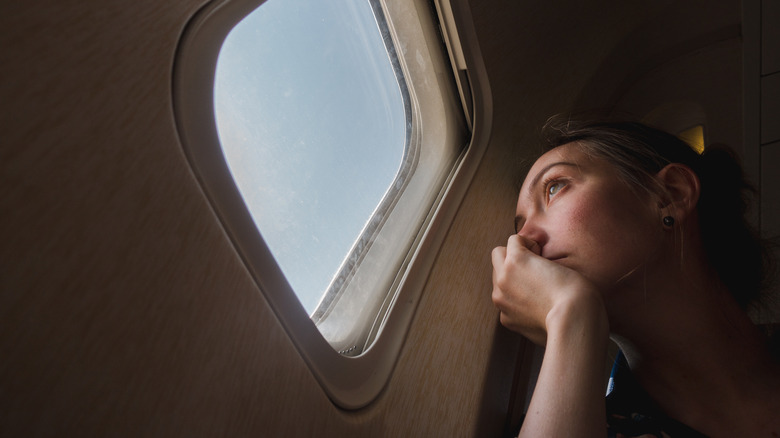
723,159
721,172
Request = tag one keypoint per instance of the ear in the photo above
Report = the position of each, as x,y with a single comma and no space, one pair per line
681,188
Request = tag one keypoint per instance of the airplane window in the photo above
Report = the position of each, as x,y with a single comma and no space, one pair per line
311,119
338,148
333,161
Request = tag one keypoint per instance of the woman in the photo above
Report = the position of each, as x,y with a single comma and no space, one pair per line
624,231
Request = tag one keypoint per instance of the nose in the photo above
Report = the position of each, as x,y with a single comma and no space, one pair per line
533,229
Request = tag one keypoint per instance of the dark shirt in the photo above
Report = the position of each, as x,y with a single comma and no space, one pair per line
631,412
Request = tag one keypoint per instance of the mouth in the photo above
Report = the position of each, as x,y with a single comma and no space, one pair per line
556,258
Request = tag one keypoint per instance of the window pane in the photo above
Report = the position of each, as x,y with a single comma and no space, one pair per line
312,124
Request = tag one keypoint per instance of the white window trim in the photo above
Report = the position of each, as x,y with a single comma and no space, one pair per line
436,138
351,382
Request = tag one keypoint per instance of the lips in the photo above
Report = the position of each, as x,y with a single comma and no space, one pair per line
552,254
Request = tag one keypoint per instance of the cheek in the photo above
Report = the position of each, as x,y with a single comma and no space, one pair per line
591,220
614,214
611,230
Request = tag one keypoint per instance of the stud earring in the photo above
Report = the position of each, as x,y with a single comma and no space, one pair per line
668,221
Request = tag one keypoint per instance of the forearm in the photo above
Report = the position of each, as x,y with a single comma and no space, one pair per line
569,397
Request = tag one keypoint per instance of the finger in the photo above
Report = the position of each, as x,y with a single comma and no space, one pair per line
517,243
498,256
532,245
497,296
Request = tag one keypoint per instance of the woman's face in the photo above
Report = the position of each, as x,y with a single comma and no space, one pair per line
585,218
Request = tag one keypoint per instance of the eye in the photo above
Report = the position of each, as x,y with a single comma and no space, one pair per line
554,187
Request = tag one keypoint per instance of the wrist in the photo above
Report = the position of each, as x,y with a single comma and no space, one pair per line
581,314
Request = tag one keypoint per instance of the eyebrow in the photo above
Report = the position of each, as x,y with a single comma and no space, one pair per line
546,168
535,181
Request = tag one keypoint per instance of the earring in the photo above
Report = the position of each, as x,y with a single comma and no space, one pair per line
668,221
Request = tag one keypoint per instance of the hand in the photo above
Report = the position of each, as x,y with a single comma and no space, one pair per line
531,291
555,306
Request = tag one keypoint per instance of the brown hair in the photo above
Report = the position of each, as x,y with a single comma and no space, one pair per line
734,249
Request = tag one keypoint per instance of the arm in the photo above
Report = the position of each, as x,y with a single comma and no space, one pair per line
569,397
557,307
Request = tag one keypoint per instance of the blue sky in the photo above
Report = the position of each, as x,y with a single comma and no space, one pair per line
311,121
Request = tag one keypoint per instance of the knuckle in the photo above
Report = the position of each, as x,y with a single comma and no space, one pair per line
502,280
498,297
